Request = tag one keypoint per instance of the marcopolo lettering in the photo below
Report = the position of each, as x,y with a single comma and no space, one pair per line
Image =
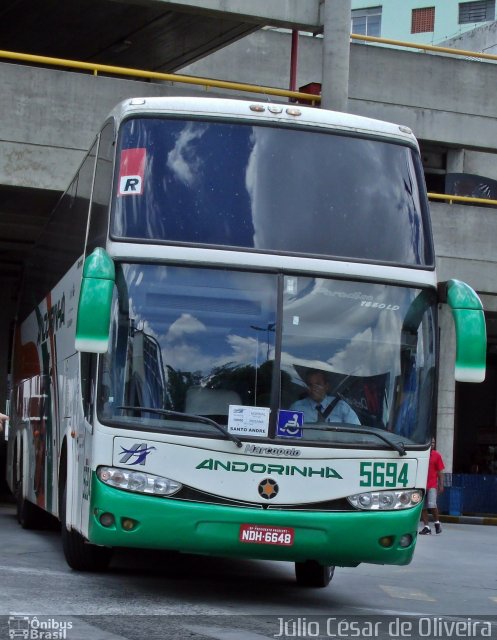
238,466
283,452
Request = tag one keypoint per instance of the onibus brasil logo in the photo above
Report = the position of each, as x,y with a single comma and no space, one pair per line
34,628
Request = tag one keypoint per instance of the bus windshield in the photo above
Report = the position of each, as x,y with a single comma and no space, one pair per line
207,342
273,189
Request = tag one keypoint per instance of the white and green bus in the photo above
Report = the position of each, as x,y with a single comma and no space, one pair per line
208,259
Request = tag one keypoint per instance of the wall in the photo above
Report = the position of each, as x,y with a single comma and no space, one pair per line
415,89
58,112
483,38
465,244
57,115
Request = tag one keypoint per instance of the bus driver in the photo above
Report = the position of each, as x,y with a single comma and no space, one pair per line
319,406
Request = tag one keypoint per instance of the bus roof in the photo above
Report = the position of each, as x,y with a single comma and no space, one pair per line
267,112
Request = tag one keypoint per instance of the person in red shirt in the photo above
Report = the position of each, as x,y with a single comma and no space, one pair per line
434,486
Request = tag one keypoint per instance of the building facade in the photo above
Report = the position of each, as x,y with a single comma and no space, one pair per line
423,21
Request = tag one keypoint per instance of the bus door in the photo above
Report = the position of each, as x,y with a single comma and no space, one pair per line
77,429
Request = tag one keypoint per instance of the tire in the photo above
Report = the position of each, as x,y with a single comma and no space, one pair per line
312,574
79,554
29,516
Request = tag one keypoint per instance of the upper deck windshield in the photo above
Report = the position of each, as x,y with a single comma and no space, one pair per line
268,188
213,342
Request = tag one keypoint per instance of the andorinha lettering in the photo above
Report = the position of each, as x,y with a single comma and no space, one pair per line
51,320
210,464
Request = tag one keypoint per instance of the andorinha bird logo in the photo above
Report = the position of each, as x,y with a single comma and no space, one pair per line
139,452
268,488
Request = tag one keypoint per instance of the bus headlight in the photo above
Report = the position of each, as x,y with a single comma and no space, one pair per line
138,481
386,500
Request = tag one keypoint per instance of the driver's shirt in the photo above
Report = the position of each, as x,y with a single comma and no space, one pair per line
342,412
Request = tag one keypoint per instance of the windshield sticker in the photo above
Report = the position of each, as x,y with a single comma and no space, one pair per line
291,285
290,424
248,421
131,172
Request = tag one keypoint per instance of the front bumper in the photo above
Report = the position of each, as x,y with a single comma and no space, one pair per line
332,538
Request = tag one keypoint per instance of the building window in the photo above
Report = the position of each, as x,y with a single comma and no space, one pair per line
423,20
481,11
366,22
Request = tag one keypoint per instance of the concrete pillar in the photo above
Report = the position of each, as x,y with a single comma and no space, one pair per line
336,54
455,161
446,388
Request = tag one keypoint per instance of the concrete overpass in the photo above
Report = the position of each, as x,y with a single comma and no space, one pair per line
150,34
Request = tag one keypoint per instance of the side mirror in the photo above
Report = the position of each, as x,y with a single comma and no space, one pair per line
95,300
471,333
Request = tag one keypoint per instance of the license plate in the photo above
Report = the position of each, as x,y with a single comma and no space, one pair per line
261,534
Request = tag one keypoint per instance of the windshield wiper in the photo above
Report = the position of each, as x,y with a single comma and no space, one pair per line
398,446
187,417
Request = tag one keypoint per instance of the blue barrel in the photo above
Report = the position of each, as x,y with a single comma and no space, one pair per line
455,500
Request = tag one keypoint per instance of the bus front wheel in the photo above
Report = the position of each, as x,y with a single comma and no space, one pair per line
312,574
79,554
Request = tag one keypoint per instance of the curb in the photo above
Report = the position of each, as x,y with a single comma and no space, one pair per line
487,520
